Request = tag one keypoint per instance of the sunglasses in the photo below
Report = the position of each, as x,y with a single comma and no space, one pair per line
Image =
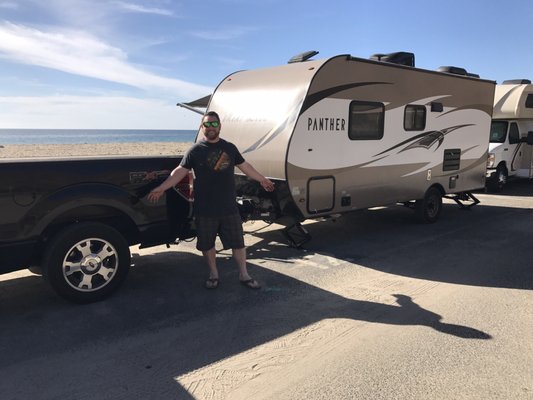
214,124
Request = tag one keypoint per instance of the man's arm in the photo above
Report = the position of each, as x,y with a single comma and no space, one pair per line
251,172
173,179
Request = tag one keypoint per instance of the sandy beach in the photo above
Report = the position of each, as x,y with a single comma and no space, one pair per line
100,149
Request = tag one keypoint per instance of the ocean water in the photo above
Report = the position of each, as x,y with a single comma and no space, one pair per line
79,136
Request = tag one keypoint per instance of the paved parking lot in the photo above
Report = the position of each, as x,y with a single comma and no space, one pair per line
376,306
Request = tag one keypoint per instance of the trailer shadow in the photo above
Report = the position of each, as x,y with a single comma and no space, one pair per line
484,246
162,325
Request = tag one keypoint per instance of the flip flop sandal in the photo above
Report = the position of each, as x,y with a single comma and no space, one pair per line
251,284
211,283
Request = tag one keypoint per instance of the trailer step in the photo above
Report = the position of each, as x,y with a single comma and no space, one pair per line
296,235
466,200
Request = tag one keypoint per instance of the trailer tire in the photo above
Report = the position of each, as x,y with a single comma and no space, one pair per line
86,262
428,209
498,181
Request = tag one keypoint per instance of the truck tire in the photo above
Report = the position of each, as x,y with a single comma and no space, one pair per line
86,262
498,181
428,209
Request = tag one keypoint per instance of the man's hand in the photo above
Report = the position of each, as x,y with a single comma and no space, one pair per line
267,184
155,194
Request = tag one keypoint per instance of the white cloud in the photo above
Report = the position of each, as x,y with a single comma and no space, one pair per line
79,53
97,112
142,9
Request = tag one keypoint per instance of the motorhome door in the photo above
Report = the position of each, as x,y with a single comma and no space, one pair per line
526,163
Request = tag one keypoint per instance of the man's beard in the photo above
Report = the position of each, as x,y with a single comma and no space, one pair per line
211,135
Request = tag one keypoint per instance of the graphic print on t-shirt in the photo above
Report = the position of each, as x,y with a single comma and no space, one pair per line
218,160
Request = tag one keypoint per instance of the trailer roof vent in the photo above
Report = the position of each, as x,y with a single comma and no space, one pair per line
303,56
472,75
517,82
400,57
453,70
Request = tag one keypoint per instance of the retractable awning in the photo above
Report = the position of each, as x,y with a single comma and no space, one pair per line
196,104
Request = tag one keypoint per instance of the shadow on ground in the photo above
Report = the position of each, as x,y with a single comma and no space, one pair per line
487,246
163,324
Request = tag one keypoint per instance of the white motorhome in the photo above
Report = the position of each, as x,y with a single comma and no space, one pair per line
510,150
345,133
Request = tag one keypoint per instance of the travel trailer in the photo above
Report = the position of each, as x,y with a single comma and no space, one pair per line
511,134
345,133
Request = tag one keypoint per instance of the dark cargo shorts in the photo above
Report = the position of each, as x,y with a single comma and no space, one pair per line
228,228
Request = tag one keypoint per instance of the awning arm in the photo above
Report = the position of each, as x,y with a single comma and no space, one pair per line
195,104
184,105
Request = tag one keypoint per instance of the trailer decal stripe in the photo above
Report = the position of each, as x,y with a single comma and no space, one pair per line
316,97
484,108
506,96
424,140
271,134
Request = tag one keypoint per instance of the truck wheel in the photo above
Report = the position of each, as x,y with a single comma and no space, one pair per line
86,262
428,209
499,179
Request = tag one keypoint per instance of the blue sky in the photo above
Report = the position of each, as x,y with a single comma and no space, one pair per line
114,64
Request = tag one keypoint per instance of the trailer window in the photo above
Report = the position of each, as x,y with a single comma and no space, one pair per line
529,101
498,131
414,118
366,120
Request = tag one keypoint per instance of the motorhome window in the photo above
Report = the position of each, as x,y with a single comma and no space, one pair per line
414,118
529,101
514,134
366,120
498,131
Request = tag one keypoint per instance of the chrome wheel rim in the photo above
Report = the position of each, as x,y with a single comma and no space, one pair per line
90,265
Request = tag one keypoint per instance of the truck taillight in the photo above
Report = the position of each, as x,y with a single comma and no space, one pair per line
185,187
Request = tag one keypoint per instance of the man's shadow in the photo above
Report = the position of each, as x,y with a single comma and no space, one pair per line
433,320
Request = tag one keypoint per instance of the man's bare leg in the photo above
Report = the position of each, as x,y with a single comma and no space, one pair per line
240,258
211,260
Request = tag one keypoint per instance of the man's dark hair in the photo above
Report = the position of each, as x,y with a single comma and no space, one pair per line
212,114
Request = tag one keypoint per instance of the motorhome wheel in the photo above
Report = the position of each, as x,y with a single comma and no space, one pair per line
86,262
499,179
428,209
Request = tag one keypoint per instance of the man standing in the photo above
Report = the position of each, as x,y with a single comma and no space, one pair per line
215,206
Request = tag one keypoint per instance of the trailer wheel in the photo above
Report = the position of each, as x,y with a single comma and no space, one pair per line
429,208
86,262
499,179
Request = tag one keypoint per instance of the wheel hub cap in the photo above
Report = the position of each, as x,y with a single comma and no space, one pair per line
91,264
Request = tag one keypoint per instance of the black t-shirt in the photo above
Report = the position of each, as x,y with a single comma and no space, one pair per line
214,186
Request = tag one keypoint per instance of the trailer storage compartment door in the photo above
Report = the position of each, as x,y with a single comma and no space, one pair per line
321,194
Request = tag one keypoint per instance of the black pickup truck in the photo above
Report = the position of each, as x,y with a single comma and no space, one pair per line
74,219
